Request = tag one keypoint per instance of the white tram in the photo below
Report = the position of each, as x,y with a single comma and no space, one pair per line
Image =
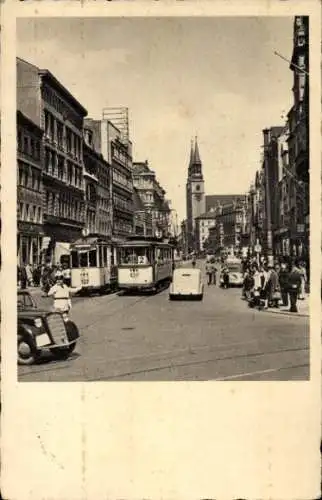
144,264
93,265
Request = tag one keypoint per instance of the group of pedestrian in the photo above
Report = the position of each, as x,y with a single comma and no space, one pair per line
42,275
272,284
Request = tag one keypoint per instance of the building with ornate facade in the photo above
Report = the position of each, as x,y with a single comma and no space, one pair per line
98,202
142,218
153,198
117,152
195,196
29,191
231,231
298,140
49,105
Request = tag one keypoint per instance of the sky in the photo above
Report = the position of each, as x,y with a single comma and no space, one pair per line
217,78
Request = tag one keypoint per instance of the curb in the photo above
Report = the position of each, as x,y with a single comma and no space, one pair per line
287,313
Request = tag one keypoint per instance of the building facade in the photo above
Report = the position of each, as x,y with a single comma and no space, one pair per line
153,198
44,100
298,142
142,218
203,223
29,191
117,152
97,177
195,196
232,229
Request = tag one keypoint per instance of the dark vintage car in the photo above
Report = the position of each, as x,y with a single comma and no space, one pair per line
41,329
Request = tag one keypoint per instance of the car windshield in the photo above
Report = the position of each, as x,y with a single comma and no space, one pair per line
25,301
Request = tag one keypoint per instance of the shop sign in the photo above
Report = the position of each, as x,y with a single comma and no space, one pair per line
27,227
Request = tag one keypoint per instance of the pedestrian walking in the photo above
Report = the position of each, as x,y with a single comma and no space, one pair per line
209,272
62,295
272,286
303,273
283,277
295,281
225,273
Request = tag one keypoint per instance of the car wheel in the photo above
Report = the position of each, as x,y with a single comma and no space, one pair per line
27,354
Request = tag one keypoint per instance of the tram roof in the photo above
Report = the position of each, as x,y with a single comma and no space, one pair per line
144,243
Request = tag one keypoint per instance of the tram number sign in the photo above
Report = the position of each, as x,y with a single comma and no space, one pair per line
84,277
134,272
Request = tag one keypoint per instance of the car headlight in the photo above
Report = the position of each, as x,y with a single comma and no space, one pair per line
38,322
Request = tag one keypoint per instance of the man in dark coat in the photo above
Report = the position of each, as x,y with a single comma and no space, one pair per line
294,282
283,279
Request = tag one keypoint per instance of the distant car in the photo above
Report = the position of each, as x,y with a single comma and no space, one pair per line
186,283
40,329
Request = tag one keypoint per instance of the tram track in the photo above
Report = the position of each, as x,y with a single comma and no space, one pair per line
171,365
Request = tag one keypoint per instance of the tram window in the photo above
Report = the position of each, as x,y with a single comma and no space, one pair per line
92,258
105,256
112,256
74,259
83,260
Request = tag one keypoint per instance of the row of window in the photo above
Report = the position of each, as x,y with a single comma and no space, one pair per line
28,145
61,206
121,202
29,177
60,106
122,179
62,135
122,225
142,183
29,213
66,171
120,155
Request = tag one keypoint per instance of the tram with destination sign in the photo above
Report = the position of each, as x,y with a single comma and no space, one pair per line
93,263
145,264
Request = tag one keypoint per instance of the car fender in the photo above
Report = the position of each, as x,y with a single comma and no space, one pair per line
72,331
26,331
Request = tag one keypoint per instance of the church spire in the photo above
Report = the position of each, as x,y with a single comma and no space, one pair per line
191,154
196,159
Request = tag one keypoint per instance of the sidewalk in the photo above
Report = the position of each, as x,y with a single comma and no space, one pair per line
303,307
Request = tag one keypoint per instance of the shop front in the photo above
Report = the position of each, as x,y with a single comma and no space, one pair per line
58,239
29,243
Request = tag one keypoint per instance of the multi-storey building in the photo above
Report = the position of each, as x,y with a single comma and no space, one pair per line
195,196
44,100
282,230
153,198
203,223
97,176
29,191
142,218
117,151
271,177
298,141
232,229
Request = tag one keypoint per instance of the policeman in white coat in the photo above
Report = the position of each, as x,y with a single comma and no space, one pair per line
62,295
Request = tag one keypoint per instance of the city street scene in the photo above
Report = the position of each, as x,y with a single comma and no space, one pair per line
163,199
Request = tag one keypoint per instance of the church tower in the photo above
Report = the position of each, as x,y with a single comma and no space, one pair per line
195,195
